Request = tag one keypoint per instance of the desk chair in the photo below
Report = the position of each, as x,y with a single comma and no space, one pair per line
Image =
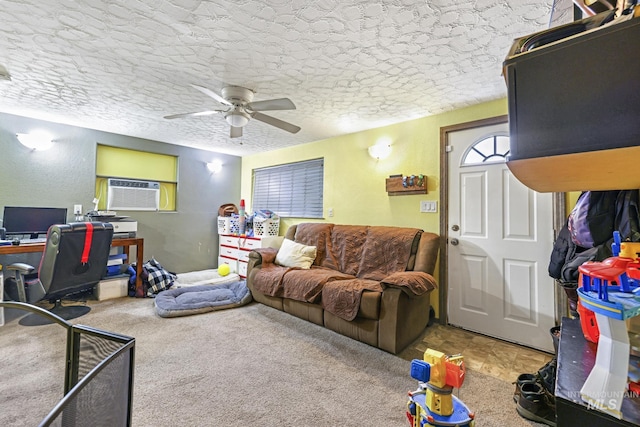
74,259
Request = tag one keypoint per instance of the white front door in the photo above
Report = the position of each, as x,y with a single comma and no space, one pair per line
500,237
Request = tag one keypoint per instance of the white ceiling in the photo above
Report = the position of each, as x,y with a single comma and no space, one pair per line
121,65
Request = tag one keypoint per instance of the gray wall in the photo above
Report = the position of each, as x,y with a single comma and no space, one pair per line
185,240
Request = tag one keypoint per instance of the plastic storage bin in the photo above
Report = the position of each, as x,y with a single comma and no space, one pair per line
266,227
228,225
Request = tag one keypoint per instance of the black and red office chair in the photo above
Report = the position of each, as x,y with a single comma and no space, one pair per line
74,260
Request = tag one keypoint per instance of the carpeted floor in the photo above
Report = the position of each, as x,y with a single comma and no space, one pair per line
251,365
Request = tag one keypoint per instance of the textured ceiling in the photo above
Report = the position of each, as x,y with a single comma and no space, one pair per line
120,66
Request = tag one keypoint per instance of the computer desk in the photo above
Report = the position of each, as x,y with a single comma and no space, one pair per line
125,243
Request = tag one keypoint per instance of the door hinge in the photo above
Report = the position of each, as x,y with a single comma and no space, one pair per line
448,148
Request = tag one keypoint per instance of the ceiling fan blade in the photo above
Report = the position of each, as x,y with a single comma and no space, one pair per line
272,104
236,132
275,122
212,94
200,113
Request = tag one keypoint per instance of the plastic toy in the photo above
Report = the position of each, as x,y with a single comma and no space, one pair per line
610,289
433,403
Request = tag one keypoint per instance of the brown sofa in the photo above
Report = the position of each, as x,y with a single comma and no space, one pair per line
370,283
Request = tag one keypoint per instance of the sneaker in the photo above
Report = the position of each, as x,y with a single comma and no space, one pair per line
547,376
533,404
522,379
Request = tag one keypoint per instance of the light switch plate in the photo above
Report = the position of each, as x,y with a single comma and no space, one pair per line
428,206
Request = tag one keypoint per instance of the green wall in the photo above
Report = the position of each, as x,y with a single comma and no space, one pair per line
354,183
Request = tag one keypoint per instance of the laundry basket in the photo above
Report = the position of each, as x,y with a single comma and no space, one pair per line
228,225
266,227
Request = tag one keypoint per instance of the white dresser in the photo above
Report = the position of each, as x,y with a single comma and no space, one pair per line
234,250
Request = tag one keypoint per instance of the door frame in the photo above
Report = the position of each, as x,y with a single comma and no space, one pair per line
558,212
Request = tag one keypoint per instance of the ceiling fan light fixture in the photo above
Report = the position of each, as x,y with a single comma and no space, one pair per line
237,119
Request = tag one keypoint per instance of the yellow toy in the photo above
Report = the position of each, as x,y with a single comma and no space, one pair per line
433,403
223,269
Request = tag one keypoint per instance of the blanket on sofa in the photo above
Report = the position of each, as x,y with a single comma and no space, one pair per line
269,278
386,251
343,297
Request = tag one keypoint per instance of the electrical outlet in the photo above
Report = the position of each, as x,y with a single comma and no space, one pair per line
77,209
330,212
428,206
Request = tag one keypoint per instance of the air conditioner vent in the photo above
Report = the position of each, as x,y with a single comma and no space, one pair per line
133,195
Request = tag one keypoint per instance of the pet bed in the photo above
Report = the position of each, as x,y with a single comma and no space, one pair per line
201,299
203,277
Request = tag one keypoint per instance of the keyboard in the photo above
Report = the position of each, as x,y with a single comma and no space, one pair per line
33,241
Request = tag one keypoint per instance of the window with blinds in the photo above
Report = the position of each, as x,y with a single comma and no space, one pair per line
290,190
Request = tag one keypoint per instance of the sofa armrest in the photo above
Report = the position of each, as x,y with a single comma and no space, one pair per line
261,256
402,319
258,258
413,283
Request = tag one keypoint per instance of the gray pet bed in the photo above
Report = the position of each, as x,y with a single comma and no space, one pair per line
201,299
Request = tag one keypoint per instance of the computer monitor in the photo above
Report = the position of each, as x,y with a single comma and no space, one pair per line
19,220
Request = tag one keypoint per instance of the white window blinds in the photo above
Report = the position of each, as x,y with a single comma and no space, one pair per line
290,190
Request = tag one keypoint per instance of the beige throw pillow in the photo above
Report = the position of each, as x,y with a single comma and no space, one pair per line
292,254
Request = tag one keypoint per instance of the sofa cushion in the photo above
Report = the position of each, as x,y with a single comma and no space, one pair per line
292,254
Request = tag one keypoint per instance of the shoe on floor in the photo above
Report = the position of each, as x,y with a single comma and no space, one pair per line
547,376
522,379
533,404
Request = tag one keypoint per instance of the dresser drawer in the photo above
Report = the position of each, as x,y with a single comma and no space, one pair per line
242,269
229,240
243,254
250,243
229,252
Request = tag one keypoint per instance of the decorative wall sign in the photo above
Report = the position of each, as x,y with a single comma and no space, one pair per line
398,185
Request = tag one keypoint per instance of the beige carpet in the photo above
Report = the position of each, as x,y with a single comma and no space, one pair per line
251,365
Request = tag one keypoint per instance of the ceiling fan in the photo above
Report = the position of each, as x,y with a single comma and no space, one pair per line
239,109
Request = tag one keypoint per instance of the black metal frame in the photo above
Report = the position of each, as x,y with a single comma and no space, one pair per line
73,386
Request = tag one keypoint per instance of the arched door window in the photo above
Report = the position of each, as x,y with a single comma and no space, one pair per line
488,149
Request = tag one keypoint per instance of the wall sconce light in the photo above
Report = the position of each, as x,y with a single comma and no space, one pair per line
36,140
381,150
214,166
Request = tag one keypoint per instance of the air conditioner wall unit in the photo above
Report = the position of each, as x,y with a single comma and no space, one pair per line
133,195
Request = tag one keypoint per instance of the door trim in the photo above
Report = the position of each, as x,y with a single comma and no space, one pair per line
443,314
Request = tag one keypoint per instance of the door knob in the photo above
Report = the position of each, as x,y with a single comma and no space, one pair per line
454,242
